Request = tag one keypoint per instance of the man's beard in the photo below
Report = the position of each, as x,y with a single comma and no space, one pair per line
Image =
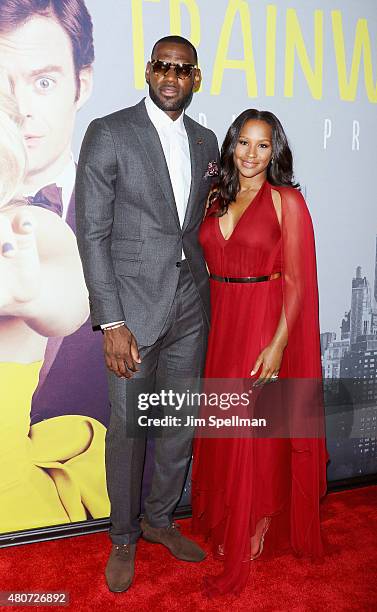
170,105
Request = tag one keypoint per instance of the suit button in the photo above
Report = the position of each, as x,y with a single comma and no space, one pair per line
178,264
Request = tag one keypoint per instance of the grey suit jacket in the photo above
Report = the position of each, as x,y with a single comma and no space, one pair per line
128,230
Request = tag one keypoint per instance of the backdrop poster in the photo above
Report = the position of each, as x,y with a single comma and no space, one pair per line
313,65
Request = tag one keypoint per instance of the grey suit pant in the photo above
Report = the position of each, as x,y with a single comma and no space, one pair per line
176,358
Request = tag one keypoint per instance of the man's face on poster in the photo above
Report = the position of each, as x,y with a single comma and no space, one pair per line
39,61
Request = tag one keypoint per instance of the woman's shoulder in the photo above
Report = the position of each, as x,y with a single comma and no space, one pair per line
287,190
289,195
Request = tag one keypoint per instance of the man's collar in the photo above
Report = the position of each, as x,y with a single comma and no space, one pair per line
160,118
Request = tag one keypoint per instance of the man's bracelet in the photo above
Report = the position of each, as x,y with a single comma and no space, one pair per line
113,326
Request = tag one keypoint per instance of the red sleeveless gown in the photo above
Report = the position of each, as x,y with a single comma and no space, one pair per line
238,481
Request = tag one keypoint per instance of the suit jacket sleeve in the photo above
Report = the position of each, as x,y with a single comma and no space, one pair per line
217,152
95,196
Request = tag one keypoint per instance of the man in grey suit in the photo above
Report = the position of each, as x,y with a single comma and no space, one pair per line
143,179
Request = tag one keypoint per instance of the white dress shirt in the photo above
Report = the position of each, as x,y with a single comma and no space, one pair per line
175,144
176,149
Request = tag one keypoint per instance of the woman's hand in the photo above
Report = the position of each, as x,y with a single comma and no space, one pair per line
41,277
20,269
269,360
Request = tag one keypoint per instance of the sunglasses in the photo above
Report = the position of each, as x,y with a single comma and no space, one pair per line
182,71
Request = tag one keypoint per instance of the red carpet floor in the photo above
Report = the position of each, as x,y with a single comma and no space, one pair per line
345,581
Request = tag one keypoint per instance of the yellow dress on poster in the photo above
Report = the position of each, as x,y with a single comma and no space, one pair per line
52,472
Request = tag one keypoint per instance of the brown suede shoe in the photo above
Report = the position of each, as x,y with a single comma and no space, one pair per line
120,567
179,546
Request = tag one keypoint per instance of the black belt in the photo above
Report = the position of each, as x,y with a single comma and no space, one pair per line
245,279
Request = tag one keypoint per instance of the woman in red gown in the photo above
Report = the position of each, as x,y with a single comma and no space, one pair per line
258,243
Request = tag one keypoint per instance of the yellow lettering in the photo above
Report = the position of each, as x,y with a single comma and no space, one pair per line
295,42
176,19
362,46
138,42
271,49
235,7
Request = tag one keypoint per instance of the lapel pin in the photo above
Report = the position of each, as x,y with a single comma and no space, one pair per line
199,141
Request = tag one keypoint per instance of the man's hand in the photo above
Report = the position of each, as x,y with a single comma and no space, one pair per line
20,270
121,352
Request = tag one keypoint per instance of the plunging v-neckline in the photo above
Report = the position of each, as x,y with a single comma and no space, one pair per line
250,205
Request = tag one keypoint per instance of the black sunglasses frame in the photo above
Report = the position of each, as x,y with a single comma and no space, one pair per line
166,66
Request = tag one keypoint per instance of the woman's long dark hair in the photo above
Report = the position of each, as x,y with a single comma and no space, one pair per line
279,171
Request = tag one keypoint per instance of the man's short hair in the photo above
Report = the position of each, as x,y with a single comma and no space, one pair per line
178,40
72,15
